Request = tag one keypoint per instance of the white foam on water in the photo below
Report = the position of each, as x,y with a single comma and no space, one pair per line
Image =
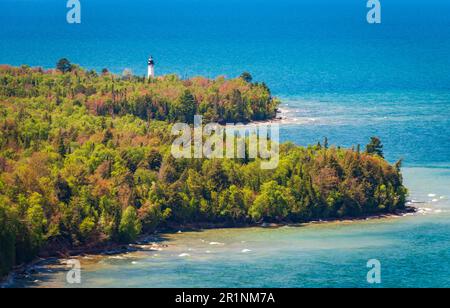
424,211
134,263
216,243
434,200
117,257
431,195
246,250
183,255
408,214
442,197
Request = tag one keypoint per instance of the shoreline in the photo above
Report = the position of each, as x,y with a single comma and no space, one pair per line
155,241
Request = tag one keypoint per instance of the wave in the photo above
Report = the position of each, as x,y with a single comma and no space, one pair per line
428,211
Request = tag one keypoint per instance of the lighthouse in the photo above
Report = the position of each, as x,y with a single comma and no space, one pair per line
151,68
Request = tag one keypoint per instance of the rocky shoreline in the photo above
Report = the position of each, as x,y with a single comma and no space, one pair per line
155,242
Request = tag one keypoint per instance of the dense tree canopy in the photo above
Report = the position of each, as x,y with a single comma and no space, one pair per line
86,159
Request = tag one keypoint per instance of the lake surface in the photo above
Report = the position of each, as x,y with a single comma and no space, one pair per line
337,76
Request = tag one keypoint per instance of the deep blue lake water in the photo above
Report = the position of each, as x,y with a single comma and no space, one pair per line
337,75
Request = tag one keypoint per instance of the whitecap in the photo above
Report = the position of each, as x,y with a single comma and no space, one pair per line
184,255
245,250
216,243
442,197
431,195
434,200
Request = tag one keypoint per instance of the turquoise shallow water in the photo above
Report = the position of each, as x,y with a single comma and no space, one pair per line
337,76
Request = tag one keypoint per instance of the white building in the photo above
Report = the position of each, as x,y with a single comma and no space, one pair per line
151,68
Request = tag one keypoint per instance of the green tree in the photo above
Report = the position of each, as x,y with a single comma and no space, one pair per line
87,227
154,159
7,238
247,77
61,145
375,147
187,108
110,217
36,219
108,136
271,204
130,227
232,204
64,66
239,108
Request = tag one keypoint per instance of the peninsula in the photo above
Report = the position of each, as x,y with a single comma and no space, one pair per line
85,160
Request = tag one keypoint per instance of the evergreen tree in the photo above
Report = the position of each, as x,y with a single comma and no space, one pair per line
187,107
247,77
375,147
64,66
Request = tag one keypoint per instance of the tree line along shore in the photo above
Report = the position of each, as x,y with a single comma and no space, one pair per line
85,160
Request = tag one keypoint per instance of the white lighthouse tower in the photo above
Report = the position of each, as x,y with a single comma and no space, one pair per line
151,68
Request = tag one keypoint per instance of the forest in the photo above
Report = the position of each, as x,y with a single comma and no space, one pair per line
85,159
